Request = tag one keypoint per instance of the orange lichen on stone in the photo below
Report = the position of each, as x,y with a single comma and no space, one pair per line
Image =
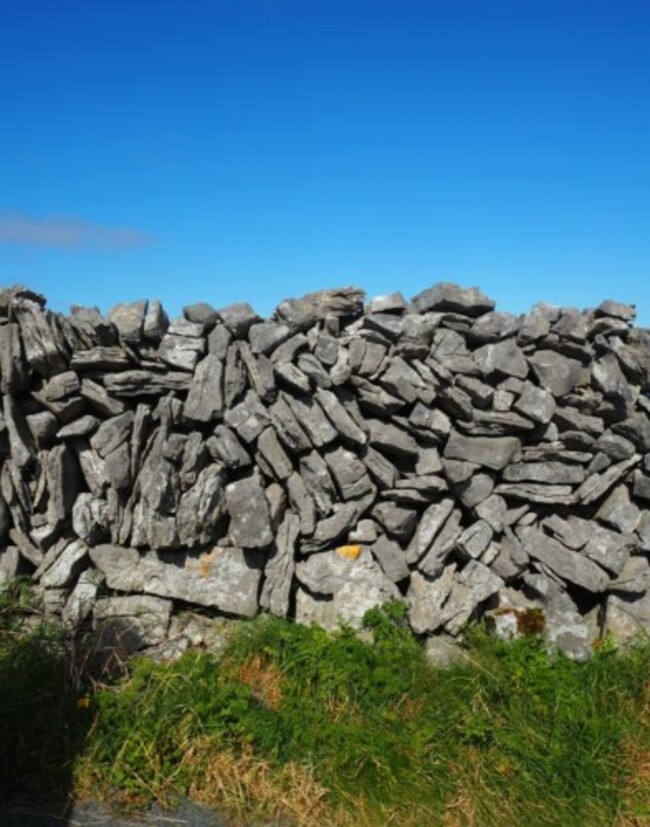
351,552
205,562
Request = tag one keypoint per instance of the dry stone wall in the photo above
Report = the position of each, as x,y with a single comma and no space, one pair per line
331,458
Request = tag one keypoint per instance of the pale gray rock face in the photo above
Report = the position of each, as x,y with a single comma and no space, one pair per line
627,618
130,623
567,564
250,522
227,579
504,359
556,373
352,586
65,566
300,314
128,319
201,313
238,318
280,567
490,452
444,296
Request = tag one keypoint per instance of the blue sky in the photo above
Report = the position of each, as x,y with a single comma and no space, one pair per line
231,150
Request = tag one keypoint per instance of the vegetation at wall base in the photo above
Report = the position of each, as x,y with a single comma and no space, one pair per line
297,726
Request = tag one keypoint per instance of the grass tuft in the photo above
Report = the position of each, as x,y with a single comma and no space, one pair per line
292,723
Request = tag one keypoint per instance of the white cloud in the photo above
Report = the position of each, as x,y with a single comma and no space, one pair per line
66,232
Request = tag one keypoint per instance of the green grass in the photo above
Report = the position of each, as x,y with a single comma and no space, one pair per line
333,730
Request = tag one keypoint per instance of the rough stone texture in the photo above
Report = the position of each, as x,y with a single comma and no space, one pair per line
307,464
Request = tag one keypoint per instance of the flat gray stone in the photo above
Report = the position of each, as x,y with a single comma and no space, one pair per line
570,566
250,523
556,373
445,296
226,579
491,452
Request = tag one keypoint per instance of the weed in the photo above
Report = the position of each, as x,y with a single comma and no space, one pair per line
291,722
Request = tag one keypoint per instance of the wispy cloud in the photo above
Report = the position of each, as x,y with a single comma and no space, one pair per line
66,232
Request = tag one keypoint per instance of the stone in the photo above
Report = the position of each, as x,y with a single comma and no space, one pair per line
357,585
449,297
273,455
391,558
627,618
340,418
181,351
636,429
556,373
201,313
289,430
567,564
43,427
633,576
493,326
260,373
318,482
399,522
475,539
65,567
98,399
238,318
280,567
555,473
349,473
391,440
205,399
401,380
502,358
428,528
474,490
250,524
490,452
135,383
128,318
331,529
388,303
292,377
300,314
474,585
536,403
226,579
302,503
312,419
426,597
619,512
81,601
201,507
112,433
641,489
570,419
90,519
20,443
155,323
617,448
42,347
444,543
596,485
84,426
227,449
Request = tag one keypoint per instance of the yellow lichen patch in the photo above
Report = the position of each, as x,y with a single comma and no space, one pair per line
205,562
349,552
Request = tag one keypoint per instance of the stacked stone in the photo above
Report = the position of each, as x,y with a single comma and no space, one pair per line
330,459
